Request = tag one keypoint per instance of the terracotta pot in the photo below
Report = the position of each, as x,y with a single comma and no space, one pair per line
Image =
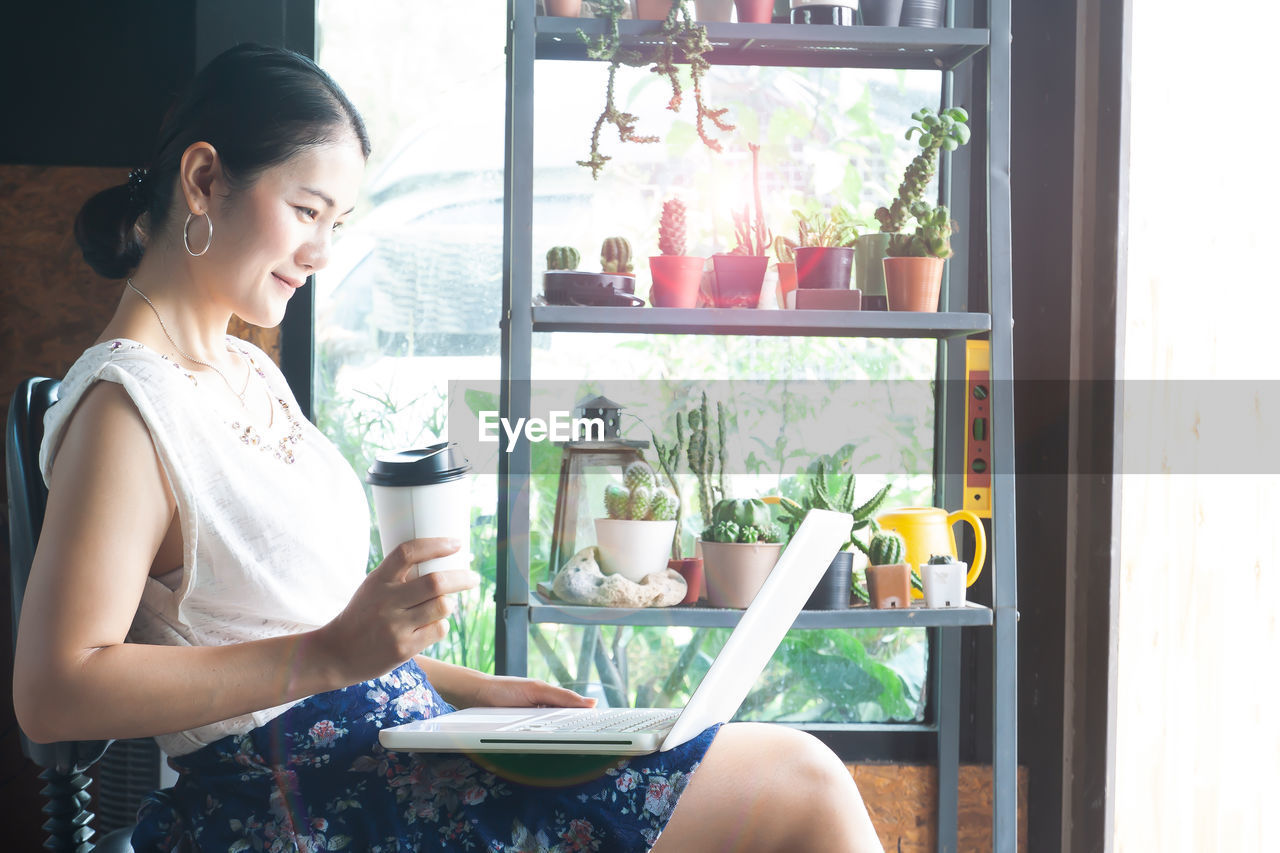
734,571
738,280
652,9
832,591
713,10
786,284
690,568
889,586
676,279
913,284
754,11
823,267
564,8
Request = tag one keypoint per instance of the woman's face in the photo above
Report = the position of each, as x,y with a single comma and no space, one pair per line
269,237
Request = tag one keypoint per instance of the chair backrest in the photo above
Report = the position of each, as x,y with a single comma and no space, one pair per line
23,433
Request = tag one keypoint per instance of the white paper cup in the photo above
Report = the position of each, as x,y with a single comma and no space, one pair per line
424,493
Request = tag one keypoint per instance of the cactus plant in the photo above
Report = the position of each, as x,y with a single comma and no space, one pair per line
704,450
753,237
671,228
746,520
642,499
938,131
820,497
932,237
886,548
615,255
941,560
563,258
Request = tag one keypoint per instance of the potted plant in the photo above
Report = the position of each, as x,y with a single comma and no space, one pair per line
824,249
888,577
714,10
635,540
739,274
784,249
913,264
944,581
832,591
564,284
676,276
880,13
946,130
740,547
683,41
669,455
923,13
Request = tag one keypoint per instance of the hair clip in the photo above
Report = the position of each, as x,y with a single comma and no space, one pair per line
137,186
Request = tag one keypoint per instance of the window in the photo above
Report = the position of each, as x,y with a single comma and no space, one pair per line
411,301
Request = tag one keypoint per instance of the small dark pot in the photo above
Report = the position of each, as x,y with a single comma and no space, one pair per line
575,287
823,268
880,13
841,16
738,280
923,13
832,591
875,302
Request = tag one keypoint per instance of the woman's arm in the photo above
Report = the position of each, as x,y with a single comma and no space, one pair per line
467,688
109,510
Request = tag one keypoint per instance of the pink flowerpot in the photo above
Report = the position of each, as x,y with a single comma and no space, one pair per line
690,568
735,571
754,11
676,279
563,8
738,280
653,10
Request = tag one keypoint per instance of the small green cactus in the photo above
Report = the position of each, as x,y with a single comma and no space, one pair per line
563,258
664,505
639,473
941,559
886,548
615,255
725,531
617,501
641,499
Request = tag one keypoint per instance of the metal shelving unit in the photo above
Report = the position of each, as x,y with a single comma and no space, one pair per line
974,54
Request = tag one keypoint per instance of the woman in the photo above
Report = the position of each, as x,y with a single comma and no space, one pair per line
200,576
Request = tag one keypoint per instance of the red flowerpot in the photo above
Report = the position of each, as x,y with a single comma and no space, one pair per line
564,8
676,279
690,568
754,11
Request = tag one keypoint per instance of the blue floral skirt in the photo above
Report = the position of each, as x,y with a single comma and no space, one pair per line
315,778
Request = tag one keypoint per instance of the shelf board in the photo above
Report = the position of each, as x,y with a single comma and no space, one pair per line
790,45
748,321
542,609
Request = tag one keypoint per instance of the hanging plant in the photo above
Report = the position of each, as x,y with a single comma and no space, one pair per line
683,39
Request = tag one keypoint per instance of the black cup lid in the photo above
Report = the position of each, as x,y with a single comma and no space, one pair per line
423,466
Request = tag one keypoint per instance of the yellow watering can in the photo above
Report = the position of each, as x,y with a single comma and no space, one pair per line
926,530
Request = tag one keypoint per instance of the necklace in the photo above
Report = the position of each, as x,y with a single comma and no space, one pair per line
188,356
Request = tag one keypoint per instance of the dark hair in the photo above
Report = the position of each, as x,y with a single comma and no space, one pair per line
257,106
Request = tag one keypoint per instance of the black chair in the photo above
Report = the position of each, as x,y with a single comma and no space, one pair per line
65,764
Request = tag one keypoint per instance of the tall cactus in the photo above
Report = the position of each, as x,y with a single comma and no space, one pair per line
705,449
938,131
669,461
671,228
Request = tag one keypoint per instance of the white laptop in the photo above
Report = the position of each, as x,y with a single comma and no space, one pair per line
628,731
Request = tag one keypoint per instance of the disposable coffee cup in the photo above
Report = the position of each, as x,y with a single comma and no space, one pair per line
423,493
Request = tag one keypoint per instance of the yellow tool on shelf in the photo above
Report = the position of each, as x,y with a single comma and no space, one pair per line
977,434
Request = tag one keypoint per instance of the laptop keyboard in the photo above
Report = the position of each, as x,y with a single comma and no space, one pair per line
608,721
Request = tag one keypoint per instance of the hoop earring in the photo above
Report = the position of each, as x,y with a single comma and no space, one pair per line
186,241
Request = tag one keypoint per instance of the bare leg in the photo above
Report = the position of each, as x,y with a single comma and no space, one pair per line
769,788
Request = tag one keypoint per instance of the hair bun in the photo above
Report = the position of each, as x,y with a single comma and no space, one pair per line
104,230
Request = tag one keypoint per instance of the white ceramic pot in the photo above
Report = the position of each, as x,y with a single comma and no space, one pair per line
734,572
944,584
633,549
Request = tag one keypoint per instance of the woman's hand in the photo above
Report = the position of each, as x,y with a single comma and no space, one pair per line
393,616
506,691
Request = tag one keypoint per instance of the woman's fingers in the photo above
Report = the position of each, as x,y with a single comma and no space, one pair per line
395,566
560,697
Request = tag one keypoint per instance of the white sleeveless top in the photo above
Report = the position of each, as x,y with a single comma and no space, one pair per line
275,525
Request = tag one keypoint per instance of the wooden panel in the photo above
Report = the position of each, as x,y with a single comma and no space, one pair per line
903,803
